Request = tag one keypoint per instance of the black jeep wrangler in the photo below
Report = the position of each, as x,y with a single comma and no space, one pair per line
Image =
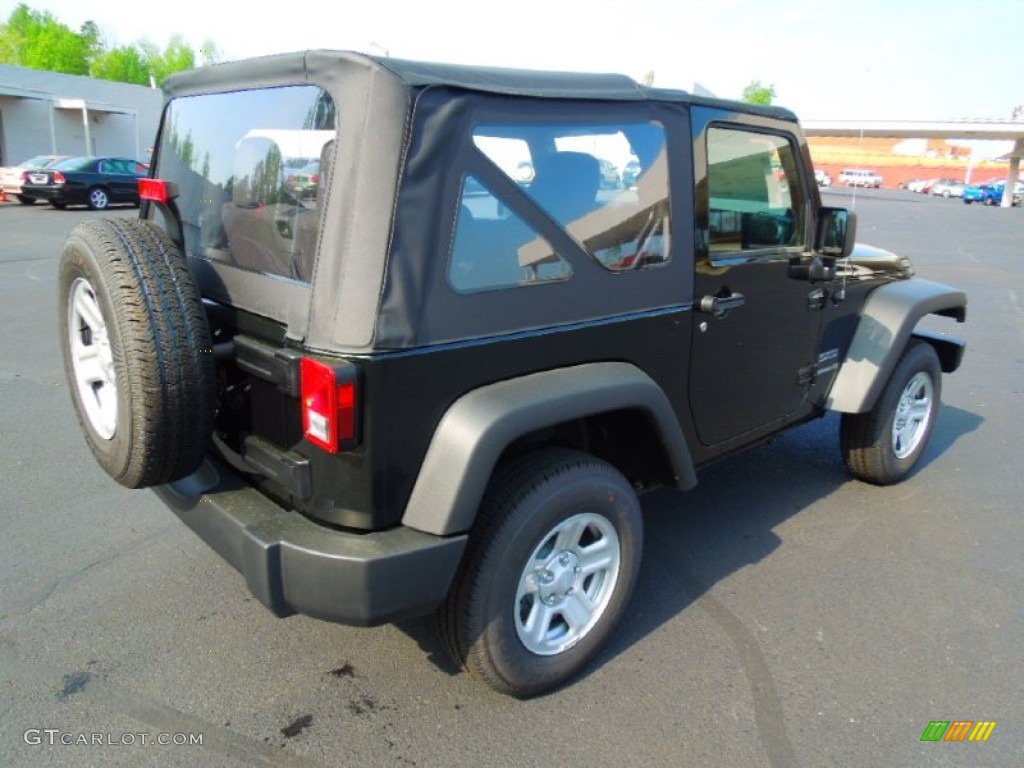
396,337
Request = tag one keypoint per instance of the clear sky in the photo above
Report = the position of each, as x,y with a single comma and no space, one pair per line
867,59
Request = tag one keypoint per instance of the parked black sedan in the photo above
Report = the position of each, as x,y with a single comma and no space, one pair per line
93,181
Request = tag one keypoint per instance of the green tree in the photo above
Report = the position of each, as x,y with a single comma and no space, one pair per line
125,64
755,93
93,40
176,57
37,40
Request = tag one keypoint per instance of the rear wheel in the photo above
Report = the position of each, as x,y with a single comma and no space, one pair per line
548,574
884,445
136,351
98,199
26,200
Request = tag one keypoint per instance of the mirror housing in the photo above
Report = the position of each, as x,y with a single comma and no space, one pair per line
820,269
837,231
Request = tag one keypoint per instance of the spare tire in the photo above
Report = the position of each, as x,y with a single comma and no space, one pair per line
137,351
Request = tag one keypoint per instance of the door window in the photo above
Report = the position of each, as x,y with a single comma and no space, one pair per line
755,200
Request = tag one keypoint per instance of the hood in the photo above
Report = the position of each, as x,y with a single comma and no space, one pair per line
868,262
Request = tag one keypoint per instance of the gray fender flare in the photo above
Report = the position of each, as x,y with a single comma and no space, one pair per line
479,425
887,322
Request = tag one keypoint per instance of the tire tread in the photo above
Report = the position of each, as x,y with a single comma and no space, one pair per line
164,348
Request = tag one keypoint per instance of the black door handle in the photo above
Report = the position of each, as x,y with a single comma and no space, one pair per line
720,306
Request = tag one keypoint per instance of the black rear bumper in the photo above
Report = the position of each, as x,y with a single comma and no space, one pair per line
292,565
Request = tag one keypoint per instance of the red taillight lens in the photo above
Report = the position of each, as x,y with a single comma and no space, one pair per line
58,177
329,404
157,190
315,179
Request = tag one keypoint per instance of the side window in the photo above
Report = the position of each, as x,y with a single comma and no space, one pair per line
250,165
606,185
493,248
755,200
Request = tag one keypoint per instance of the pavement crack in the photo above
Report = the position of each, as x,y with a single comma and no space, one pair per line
41,595
768,714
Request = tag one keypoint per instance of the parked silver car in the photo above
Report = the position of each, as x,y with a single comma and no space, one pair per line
10,177
948,188
860,177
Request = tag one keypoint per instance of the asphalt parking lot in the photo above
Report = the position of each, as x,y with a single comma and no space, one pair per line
786,615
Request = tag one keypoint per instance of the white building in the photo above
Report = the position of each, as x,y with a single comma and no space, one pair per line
52,113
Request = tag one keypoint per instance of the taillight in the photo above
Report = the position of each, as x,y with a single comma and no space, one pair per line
157,190
58,177
329,404
315,179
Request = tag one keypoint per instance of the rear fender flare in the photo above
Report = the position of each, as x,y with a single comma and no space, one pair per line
477,428
886,325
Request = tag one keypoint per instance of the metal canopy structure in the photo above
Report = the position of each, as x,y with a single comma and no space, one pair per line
968,130
85,107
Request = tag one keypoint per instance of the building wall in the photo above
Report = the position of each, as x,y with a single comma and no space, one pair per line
892,159
26,96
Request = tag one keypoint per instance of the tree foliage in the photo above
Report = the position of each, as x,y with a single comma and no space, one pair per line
36,39
755,93
124,64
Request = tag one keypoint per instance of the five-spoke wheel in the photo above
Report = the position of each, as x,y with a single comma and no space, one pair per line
883,445
92,360
548,572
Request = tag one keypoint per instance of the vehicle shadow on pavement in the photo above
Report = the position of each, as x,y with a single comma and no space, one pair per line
694,539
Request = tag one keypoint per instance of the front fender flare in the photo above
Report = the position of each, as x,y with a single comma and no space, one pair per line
477,428
887,321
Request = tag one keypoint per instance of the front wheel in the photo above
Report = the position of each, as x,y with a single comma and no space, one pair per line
548,573
884,445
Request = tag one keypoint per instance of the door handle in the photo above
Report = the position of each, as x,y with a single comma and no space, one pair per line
720,306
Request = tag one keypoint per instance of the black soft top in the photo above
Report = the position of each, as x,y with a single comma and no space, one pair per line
360,299
315,66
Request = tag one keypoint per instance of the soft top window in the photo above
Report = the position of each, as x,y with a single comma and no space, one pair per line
238,159
606,185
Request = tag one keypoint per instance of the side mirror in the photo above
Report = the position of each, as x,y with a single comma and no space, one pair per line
837,231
